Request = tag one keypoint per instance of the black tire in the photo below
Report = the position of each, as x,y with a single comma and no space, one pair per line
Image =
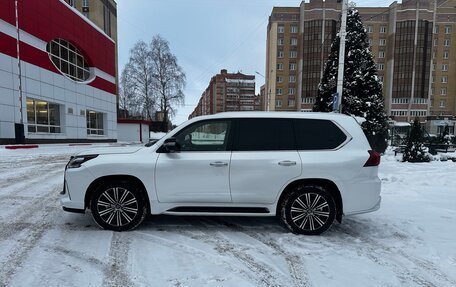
118,206
301,219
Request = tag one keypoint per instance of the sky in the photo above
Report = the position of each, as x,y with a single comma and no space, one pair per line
205,35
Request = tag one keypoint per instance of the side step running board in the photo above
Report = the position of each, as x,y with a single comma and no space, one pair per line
213,209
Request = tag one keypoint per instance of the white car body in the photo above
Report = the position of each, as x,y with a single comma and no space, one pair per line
254,180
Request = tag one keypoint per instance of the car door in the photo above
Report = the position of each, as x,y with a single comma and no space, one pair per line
264,159
199,172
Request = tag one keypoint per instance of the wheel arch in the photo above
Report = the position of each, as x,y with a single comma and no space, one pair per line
97,183
327,184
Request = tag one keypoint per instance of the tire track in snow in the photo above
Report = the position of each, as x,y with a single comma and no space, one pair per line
116,273
260,274
295,265
370,247
35,210
266,275
17,184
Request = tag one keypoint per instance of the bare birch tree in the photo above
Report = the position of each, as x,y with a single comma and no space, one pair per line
169,78
137,78
152,81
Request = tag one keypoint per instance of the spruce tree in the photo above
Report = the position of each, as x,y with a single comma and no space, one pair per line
362,88
415,150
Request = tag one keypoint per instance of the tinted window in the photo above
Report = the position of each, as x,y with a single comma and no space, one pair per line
318,134
205,136
265,134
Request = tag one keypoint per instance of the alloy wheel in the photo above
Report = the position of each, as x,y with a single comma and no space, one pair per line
117,206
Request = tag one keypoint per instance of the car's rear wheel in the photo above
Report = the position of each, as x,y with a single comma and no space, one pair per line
308,210
118,206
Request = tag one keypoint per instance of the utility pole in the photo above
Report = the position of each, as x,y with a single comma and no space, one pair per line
340,72
18,40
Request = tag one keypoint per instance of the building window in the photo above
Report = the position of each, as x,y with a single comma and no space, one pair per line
291,103
446,42
380,78
444,67
280,66
279,103
444,79
369,29
400,113
279,54
279,79
382,29
400,101
382,42
436,42
42,116
68,60
280,29
442,103
293,41
370,42
418,113
447,29
308,100
433,67
94,123
85,3
433,55
381,54
420,101
446,54
71,2
280,41
107,20
279,91
293,54
436,29
433,79
292,66
292,79
380,67
291,91
443,91
294,29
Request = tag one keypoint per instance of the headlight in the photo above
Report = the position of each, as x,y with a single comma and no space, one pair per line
76,161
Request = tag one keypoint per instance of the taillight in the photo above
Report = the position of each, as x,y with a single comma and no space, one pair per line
374,159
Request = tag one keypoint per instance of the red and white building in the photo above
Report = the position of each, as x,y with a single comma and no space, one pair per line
65,88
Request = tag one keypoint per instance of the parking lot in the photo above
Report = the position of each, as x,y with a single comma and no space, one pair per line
408,242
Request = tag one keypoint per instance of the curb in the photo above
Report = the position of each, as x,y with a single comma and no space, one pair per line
21,146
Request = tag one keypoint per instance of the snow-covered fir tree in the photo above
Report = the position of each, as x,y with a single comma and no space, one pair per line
415,151
362,89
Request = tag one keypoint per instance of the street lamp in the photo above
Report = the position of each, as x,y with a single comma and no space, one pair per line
269,91
340,73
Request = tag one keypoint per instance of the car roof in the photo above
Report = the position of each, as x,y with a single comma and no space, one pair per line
287,115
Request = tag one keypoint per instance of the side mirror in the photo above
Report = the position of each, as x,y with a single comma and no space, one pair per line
171,146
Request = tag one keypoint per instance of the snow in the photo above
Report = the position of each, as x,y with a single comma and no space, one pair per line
410,241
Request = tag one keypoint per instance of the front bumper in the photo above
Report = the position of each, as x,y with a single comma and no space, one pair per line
75,185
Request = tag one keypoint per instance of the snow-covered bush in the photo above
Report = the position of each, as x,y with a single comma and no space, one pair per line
415,151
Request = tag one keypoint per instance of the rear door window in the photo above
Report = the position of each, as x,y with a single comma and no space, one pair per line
317,134
258,134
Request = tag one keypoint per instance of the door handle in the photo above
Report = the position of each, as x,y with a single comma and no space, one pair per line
218,164
287,163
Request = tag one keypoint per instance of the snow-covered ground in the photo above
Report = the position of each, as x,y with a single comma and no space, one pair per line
410,241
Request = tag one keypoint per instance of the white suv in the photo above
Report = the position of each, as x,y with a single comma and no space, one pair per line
309,168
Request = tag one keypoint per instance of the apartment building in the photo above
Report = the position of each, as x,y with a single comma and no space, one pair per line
228,92
415,58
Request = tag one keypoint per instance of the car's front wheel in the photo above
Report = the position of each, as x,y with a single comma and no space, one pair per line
308,210
118,206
